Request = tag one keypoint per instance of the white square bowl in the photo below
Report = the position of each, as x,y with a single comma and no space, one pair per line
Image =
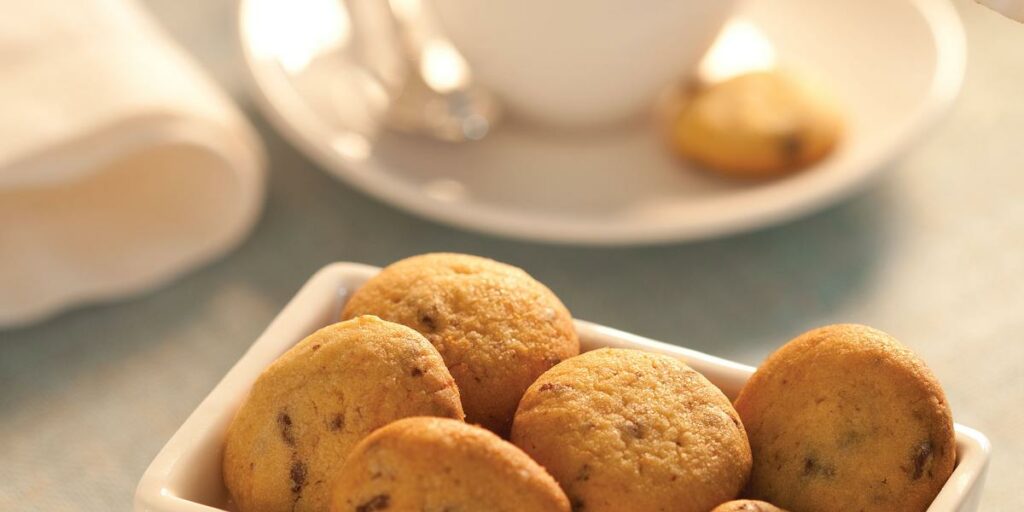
186,474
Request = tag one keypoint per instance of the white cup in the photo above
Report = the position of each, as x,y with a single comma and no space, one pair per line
581,62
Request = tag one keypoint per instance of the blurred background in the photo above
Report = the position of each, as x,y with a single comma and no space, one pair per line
931,251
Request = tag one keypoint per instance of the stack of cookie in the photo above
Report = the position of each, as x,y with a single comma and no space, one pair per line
455,383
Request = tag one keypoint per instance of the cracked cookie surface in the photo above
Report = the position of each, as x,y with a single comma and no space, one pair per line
311,406
624,430
845,418
441,465
496,327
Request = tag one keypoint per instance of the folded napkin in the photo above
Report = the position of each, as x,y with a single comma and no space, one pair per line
121,165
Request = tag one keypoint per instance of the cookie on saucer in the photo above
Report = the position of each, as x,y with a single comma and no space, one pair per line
758,125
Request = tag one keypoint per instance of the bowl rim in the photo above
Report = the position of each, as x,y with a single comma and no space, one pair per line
317,304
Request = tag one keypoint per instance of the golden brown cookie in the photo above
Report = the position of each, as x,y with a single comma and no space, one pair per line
747,506
624,430
845,418
496,327
758,125
434,464
308,410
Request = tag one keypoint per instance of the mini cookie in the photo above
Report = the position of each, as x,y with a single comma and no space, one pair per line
844,418
496,327
433,464
757,125
623,430
311,406
747,506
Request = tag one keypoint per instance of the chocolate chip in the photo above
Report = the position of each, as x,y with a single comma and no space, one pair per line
284,422
298,476
583,474
921,458
314,348
815,468
428,322
632,429
791,145
576,504
378,502
850,438
417,372
338,422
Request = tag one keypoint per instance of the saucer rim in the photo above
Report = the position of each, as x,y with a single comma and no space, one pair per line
948,36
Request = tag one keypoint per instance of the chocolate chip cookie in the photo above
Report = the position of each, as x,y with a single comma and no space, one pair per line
758,125
845,418
496,327
308,410
434,464
624,430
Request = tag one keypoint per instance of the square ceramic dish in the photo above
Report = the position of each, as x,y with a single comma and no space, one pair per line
186,474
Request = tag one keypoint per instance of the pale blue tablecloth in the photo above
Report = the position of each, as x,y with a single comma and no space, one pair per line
934,253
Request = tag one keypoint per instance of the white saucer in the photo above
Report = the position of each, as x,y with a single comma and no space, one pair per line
896,66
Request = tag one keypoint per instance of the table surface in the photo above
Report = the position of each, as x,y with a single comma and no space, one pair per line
933,253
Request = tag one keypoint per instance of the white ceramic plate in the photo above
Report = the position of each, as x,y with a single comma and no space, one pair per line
186,474
896,66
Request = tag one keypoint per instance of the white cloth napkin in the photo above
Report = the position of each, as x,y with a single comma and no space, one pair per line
121,165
